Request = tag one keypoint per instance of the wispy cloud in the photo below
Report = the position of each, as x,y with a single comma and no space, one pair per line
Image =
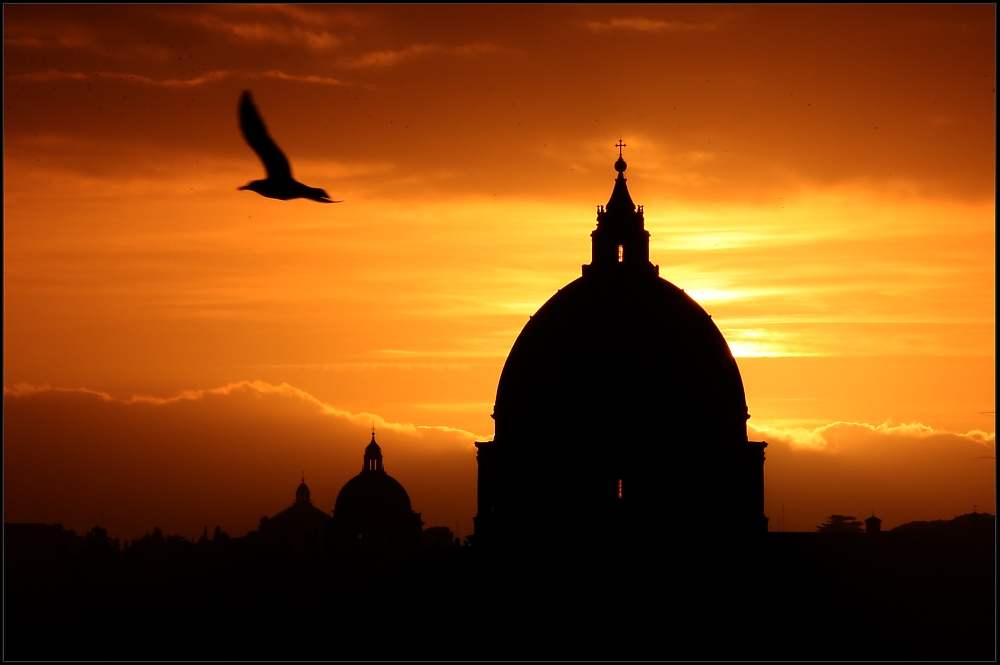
388,58
201,79
275,32
23,41
368,366
640,24
829,437
48,75
315,29
225,455
82,39
239,387
903,472
68,450
301,78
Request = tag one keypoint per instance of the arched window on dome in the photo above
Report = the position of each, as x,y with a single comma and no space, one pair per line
619,488
621,253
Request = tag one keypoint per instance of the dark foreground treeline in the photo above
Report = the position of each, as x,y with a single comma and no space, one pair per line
922,595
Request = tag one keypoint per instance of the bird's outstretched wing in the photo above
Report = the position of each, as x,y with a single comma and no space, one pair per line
256,135
325,198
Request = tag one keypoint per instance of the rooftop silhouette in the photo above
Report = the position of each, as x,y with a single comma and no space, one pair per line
301,525
925,593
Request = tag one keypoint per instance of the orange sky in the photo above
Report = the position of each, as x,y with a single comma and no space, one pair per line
819,178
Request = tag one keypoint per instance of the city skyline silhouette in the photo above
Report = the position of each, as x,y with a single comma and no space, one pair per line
776,363
849,269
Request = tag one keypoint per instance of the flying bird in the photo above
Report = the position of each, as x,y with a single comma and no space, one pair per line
279,183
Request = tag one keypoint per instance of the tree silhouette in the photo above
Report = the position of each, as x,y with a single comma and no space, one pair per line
841,524
97,539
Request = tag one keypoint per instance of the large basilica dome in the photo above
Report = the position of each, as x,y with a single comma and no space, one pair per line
621,349
620,402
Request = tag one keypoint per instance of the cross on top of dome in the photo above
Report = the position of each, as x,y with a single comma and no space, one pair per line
620,165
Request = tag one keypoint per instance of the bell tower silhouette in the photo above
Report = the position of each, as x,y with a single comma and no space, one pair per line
620,240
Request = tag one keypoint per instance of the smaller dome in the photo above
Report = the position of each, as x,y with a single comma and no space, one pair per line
372,493
374,510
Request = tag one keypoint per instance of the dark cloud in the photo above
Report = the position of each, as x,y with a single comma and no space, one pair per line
225,456
233,454
781,97
903,472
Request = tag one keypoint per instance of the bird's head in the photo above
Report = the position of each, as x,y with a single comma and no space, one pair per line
253,186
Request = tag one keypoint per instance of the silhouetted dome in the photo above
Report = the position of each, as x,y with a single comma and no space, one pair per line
619,397
629,348
373,508
621,349
297,524
372,492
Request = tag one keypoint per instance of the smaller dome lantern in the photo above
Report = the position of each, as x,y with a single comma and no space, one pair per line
302,492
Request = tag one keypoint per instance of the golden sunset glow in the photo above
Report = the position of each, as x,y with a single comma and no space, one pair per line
819,178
